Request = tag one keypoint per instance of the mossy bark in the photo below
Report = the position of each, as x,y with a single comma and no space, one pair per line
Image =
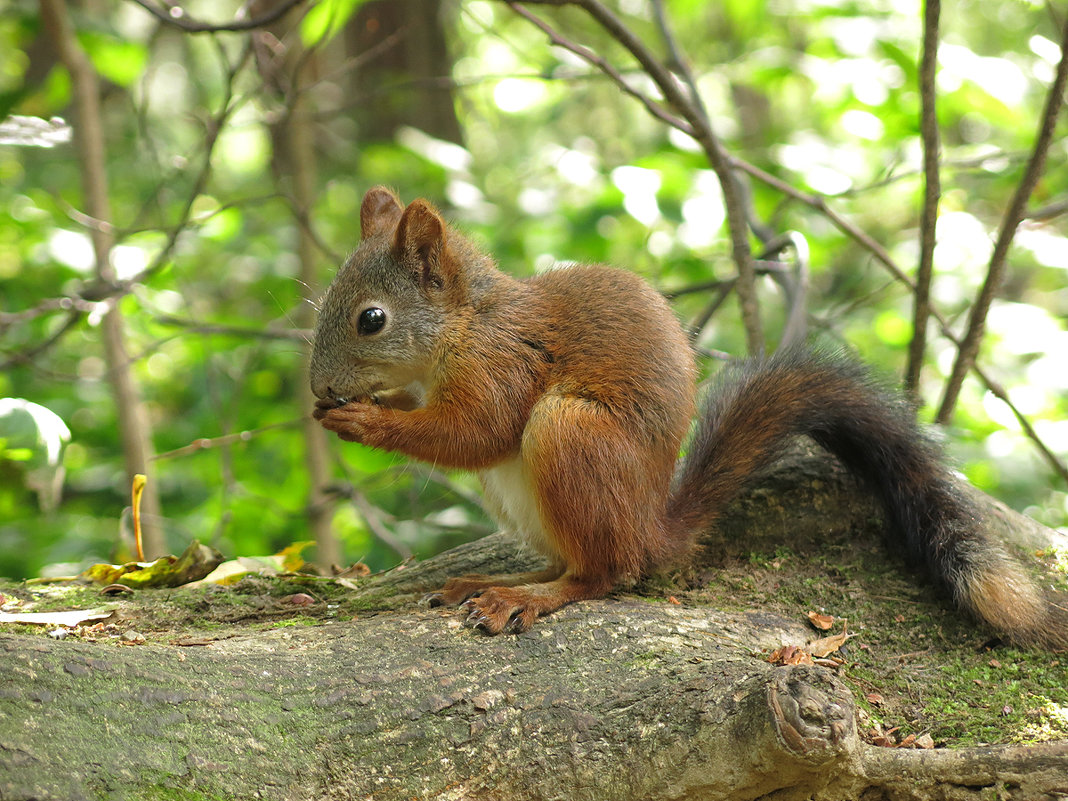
613,699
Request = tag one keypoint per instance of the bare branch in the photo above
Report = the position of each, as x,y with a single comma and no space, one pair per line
176,17
27,356
214,129
717,156
931,195
819,203
1048,212
883,256
973,337
1001,394
558,39
302,335
206,443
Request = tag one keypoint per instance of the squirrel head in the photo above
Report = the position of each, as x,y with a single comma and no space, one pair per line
381,320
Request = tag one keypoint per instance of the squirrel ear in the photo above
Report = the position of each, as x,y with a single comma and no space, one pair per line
421,237
379,211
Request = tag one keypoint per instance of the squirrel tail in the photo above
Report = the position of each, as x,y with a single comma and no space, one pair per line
760,405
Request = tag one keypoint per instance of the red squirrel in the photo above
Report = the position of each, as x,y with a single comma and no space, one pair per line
570,393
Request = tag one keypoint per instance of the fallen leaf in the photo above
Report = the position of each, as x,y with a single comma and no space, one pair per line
195,562
68,619
356,570
828,645
820,621
790,655
292,555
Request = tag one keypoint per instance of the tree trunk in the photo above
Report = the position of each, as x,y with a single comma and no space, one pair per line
612,699
404,76
134,428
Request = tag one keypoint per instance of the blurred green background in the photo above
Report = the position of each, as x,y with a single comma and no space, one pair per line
539,158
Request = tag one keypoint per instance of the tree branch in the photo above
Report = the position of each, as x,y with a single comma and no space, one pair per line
587,55
932,193
710,144
176,17
969,346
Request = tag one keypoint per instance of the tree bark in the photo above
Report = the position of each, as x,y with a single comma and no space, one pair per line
404,72
614,699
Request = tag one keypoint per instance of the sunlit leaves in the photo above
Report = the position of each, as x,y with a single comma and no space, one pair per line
325,19
119,60
556,164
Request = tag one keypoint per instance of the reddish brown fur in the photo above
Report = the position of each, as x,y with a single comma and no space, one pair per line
571,393
549,371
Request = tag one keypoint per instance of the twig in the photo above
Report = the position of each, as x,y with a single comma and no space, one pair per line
291,334
701,320
27,356
883,256
1048,212
558,39
206,443
921,310
1001,394
969,346
715,153
214,129
176,17
819,203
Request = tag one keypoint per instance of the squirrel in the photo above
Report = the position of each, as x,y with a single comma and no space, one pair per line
571,393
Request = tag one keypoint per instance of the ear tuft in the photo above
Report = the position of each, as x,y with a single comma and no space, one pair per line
379,211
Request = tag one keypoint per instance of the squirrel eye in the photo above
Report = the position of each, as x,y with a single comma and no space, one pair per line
371,320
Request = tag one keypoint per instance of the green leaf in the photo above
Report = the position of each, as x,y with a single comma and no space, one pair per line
324,20
119,60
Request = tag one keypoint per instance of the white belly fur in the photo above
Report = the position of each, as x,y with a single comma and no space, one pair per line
510,499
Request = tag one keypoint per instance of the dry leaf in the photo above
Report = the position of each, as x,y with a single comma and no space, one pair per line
925,741
69,619
357,570
820,621
790,655
827,645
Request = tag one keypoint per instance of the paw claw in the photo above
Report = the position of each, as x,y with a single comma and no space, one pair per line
475,620
471,604
433,599
516,624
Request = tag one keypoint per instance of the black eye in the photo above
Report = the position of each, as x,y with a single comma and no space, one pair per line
371,320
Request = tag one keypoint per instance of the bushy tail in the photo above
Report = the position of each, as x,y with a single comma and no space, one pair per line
759,406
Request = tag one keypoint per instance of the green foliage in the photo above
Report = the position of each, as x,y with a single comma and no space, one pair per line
557,165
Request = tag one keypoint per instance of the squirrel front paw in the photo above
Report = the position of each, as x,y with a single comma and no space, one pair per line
350,422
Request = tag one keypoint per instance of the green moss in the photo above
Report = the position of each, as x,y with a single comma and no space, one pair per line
927,667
